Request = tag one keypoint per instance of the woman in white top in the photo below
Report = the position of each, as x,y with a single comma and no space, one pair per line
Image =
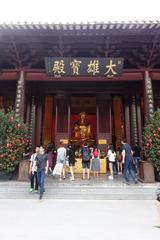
112,159
61,158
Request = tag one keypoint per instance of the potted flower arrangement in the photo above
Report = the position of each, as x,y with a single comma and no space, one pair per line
13,139
151,137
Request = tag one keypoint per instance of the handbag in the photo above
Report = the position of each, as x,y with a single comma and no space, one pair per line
57,169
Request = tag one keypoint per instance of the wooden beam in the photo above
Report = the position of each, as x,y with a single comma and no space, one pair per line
40,75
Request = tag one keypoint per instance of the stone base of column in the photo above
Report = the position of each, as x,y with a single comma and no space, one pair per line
23,170
146,172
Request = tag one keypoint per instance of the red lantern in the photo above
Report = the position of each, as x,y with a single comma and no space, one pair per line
8,145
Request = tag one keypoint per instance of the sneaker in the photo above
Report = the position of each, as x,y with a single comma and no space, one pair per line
135,181
72,179
36,191
110,177
40,196
31,190
127,182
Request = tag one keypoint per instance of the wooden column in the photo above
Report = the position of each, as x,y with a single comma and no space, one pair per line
69,120
20,96
127,120
39,121
32,124
28,111
134,129
104,121
118,119
47,121
148,95
62,127
139,122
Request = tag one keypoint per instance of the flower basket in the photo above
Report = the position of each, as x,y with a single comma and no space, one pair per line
151,136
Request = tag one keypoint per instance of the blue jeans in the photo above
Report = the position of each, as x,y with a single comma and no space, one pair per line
137,160
41,177
129,170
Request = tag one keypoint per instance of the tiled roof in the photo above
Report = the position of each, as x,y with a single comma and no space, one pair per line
82,26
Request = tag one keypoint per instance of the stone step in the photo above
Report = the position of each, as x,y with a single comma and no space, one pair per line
80,190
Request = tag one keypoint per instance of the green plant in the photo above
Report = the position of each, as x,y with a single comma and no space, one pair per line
13,139
151,136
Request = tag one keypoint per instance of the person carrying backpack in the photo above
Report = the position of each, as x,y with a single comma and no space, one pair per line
95,161
86,156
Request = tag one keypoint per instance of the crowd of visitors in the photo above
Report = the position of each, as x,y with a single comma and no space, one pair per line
124,160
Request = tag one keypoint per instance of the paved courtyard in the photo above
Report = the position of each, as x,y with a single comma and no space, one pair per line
78,219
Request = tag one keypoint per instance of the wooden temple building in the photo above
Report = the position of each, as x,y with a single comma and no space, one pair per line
116,106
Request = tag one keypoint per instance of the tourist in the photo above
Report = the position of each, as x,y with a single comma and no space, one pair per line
95,161
127,160
61,158
119,160
137,155
50,149
86,157
42,169
33,171
111,155
71,160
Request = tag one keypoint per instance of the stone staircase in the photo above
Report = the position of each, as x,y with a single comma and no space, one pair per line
94,189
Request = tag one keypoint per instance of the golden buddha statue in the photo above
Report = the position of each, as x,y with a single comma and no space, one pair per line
82,130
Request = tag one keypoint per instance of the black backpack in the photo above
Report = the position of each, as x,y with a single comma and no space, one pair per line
86,154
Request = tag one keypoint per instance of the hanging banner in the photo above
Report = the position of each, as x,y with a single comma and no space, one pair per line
61,67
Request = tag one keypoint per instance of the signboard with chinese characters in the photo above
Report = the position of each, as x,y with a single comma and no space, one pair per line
61,67
102,141
64,141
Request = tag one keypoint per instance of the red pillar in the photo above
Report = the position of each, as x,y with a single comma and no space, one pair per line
127,120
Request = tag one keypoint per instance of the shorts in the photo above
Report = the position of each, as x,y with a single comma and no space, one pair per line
86,164
71,164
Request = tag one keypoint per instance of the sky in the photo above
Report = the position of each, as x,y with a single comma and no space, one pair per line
69,11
